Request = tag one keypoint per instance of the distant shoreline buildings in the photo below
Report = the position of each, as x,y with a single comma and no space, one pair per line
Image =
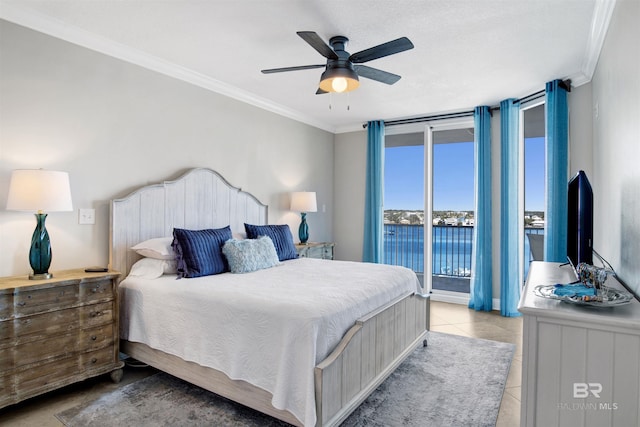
451,218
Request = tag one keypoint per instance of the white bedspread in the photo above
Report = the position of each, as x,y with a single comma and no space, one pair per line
269,328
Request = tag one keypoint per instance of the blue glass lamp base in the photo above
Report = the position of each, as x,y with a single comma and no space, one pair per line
303,230
40,252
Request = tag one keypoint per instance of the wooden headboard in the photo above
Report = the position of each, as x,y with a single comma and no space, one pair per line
201,198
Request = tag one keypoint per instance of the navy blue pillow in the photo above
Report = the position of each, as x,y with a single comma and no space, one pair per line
279,234
199,252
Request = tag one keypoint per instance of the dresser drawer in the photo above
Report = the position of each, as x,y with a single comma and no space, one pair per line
327,252
30,301
97,359
46,375
96,290
6,359
38,326
6,304
41,326
95,338
315,252
55,346
97,314
6,389
34,351
6,333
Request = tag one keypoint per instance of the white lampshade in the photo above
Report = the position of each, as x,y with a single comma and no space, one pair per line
304,201
39,190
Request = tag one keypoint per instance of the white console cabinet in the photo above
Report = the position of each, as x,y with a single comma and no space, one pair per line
580,365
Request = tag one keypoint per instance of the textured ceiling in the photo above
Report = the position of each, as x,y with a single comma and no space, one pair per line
467,53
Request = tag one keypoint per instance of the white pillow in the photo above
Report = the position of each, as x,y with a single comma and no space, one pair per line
158,248
151,268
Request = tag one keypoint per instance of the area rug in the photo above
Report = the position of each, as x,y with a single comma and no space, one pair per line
453,381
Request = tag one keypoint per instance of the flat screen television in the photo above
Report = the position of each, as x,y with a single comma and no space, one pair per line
580,220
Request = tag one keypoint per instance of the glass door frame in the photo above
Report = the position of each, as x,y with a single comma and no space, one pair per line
521,177
430,128
427,129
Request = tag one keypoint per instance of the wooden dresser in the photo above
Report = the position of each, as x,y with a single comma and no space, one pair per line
56,332
322,250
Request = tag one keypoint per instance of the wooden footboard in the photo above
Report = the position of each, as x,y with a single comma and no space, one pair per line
370,351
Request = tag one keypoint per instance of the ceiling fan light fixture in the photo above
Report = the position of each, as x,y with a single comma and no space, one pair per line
339,80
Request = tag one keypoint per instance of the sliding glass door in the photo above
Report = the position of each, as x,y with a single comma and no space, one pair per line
451,172
429,203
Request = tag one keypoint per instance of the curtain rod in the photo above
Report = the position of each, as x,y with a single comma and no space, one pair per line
565,84
426,118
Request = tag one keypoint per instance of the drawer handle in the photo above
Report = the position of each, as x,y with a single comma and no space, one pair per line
94,360
22,303
95,314
96,289
93,337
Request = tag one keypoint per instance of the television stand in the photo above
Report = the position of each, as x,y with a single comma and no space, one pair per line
579,364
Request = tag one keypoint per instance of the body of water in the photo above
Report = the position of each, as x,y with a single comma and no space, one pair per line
452,248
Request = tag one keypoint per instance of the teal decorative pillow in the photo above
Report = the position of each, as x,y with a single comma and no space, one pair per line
245,256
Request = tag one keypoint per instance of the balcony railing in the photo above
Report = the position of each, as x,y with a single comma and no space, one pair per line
451,251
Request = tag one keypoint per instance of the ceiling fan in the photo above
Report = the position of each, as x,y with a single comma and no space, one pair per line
342,69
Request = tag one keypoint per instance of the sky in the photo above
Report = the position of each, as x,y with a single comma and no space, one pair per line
453,176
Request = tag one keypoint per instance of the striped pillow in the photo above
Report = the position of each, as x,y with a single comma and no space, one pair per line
279,234
199,252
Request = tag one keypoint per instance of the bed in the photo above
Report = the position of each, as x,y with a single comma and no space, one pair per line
362,320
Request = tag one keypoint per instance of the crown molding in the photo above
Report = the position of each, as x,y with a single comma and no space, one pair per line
599,25
58,29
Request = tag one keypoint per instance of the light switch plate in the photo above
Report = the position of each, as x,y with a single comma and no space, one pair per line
87,216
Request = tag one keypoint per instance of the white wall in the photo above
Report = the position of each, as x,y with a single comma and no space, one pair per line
350,165
115,126
616,148
580,130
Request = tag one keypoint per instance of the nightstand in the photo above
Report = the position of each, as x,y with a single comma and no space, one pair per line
320,250
56,332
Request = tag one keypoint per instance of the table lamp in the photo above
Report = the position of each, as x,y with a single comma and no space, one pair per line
303,202
39,190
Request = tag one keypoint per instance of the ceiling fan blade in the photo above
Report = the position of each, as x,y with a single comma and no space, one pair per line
382,50
318,44
375,74
301,67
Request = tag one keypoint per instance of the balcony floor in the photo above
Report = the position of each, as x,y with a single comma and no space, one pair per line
449,283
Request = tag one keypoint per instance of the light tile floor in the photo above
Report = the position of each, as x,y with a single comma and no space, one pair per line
445,317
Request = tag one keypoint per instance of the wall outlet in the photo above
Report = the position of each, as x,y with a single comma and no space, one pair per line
87,216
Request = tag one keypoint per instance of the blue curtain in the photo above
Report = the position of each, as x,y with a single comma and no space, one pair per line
557,176
373,204
510,232
481,275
